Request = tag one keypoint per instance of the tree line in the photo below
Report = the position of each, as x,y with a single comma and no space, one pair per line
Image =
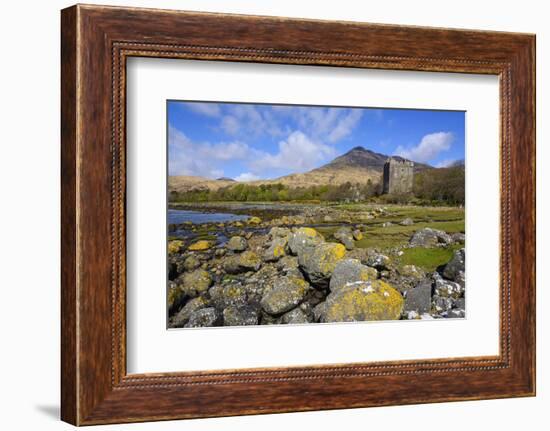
432,186
445,185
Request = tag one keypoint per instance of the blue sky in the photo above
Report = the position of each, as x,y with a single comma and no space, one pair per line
254,141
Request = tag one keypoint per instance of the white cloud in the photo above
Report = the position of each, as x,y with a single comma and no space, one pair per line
326,124
225,150
297,153
230,125
205,108
345,125
250,120
247,176
307,137
429,147
202,159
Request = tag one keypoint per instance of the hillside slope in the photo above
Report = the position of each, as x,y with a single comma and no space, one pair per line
357,166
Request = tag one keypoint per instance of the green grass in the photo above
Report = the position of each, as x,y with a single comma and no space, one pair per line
429,259
448,219
382,238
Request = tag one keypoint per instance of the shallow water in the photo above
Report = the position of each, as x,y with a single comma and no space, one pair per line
197,217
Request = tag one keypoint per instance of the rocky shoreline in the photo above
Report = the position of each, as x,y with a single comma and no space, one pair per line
284,271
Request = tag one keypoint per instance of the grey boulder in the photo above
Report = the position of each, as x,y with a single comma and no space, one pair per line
345,236
241,316
419,299
428,237
205,317
349,271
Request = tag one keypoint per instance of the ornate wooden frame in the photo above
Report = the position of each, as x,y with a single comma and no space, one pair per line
95,42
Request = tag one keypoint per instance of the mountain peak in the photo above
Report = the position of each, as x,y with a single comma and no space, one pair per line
358,157
358,149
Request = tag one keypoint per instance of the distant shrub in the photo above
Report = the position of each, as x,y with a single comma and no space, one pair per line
441,186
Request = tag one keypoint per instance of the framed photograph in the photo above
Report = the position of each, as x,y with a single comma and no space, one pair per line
266,215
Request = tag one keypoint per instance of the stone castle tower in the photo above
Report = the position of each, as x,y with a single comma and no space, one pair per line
398,176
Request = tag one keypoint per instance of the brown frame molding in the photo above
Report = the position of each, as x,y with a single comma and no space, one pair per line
95,43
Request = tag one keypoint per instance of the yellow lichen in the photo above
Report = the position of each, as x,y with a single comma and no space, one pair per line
174,246
309,231
200,245
254,220
339,251
278,251
375,300
249,258
368,274
331,254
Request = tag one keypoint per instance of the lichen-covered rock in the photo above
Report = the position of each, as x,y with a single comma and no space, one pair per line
241,315
196,282
319,262
220,252
230,295
175,297
412,271
205,317
363,301
345,236
456,266
303,238
279,232
287,263
182,317
254,220
407,222
295,317
377,260
174,246
357,235
428,237
237,243
276,250
419,299
349,271
191,262
446,288
201,245
243,262
287,293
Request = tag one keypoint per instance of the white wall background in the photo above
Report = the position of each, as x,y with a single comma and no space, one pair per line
29,215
